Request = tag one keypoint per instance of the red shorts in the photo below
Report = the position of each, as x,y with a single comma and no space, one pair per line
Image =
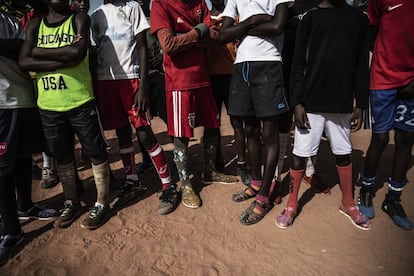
189,109
115,99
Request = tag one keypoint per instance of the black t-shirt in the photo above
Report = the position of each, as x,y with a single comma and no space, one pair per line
330,63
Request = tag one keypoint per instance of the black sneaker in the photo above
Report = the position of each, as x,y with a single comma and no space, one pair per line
97,216
395,210
36,212
50,178
7,245
242,170
365,205
68,214
130,191
168,200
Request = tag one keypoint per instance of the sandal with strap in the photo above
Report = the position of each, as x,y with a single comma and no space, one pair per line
357,218
243,195
254,213
285,219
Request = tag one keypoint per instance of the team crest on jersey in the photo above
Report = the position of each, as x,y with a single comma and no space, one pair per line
191,119
3,148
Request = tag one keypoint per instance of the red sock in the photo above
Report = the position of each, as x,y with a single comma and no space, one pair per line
345,180
160,164
128,159
295,179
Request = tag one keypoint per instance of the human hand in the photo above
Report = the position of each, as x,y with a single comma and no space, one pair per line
301,119
357,119
407,91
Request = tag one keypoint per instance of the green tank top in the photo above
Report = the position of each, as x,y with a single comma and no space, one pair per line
67,88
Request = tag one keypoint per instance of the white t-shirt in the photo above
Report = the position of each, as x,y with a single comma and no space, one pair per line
254,48
114,27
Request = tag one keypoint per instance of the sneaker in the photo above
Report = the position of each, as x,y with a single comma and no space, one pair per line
189,197
358,219
97,216
8,244
168,200
68,215
128,192
143,167
365,205
50,178
242,170
219,178
36,212
395,210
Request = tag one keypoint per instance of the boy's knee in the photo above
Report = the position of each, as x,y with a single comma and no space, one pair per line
342,160
380,139
298,163
404,138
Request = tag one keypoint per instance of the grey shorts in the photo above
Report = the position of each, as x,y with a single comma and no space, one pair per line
257,90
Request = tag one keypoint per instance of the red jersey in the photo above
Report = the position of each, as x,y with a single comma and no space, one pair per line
393,56
185,70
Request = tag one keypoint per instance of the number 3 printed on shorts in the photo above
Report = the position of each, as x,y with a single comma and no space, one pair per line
401,115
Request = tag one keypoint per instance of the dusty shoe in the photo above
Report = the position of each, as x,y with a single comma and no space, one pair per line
36,212
7,245
98,215
285,219
365,204
219,178
168,200
50,178
130,191
396,212
68,215
189,197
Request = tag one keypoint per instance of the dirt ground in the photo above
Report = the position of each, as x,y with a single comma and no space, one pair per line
210,240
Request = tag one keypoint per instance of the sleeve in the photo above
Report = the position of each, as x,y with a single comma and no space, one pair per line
361,75
138,19
231,9
159,17
299,62
375,10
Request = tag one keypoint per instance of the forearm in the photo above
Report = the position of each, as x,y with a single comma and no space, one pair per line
265,29
172,44
39,65
62,54
234,32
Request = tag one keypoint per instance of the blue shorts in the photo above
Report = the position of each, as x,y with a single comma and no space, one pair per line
390,111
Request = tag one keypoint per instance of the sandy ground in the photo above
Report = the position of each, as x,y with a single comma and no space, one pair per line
210,240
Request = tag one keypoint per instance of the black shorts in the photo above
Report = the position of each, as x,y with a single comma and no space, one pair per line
257,90
20,136
221,89
60,127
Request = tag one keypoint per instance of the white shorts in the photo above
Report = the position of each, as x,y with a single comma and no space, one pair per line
336,127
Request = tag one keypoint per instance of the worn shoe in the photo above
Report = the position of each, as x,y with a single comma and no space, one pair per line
68,215
243,171
365,205
219,178
395,210
189,197
285,219
168,200
143,167
50,178
7,245
36,212
130,191
98,215
358,219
